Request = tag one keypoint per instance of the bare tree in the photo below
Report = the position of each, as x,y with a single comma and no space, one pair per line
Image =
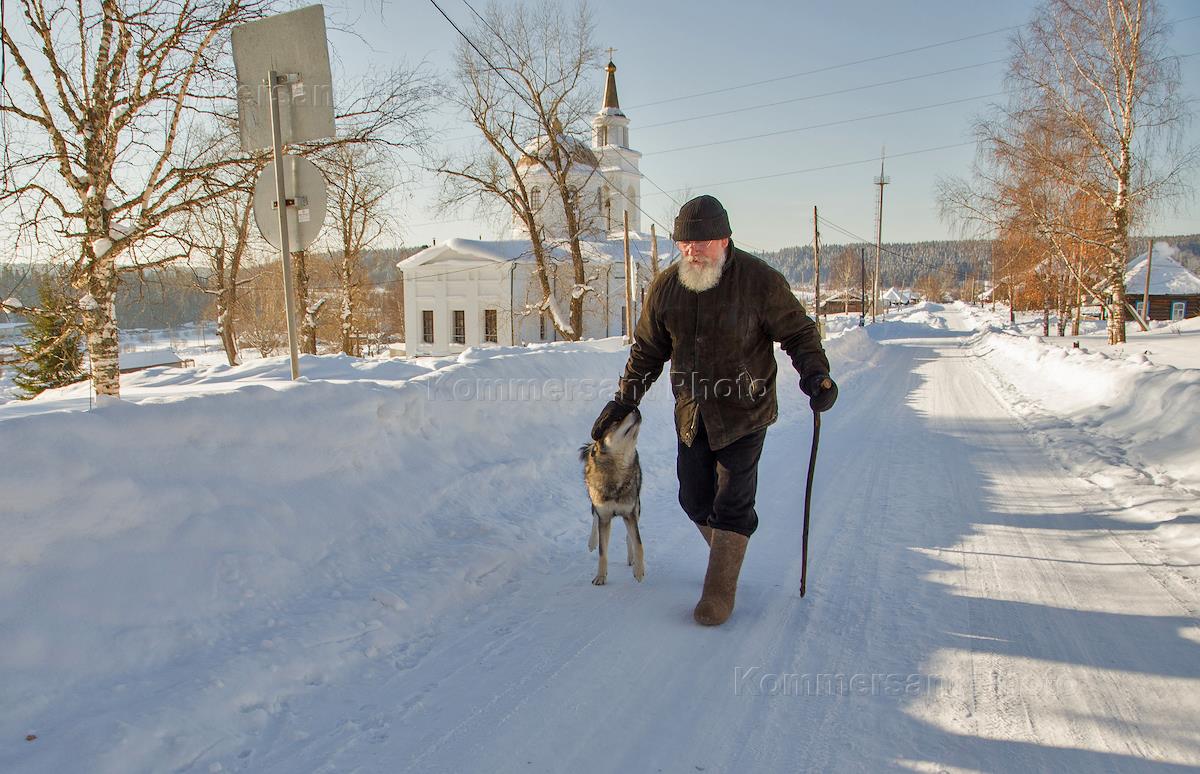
522,82
222,233
262,312
384,115
359,182
1097,72
846,274
104,158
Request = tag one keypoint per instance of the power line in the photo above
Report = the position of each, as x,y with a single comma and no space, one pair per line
517,92
822,125
923,263
824,167
824,94
827,68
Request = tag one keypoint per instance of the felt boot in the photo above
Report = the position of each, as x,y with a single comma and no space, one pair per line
720,582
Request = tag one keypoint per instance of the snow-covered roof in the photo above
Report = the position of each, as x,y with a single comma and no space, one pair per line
1167,276
521,250
579,152
148,358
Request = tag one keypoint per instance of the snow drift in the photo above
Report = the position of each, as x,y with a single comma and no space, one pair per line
144,544
1150,411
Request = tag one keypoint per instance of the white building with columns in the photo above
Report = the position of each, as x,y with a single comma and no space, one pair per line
470,293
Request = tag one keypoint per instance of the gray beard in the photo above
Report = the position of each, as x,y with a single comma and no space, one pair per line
699,280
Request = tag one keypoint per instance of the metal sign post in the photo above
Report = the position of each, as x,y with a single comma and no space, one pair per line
293,51
281,207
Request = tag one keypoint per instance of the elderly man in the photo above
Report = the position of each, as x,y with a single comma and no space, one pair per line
716,314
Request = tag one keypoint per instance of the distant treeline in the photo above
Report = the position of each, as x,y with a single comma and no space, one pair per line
162,298
903,263
172,296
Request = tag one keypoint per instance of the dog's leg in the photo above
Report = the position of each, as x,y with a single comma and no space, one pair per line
595,526
629,541
634,535
602,571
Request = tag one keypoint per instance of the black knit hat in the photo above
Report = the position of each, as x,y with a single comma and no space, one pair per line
701,219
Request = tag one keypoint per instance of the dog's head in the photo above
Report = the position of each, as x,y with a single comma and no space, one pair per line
623,435
620,440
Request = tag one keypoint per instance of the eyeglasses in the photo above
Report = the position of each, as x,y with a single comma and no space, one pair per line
703,244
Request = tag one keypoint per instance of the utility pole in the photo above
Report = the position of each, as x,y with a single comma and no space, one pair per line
862,286
880,181
628,286
653,251
817,274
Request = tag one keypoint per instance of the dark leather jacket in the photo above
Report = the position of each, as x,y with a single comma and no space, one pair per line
721,344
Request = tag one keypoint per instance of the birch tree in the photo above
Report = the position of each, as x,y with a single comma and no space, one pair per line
1099,73
104,167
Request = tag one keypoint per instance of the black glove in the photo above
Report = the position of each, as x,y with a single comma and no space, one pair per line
822,392
613,413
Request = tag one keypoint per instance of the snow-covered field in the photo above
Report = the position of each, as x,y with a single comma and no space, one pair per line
383,567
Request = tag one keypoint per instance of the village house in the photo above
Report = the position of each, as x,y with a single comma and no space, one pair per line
1174,291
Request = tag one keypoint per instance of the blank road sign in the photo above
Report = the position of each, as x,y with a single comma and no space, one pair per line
294,45
304,186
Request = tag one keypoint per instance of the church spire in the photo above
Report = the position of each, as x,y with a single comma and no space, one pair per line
610,87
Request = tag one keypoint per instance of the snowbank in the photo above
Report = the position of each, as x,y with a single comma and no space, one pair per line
1150,411
140,543
144,544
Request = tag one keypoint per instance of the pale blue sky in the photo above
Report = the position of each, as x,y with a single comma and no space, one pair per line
667,50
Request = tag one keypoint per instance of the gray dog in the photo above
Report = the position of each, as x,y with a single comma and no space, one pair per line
614,481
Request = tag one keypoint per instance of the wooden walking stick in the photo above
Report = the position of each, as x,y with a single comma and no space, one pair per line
812,469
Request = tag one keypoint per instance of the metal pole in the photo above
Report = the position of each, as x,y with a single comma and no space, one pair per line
281,206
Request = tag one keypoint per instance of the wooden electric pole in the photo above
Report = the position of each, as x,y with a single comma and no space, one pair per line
653,251
816,310
880,181
628,286
862,286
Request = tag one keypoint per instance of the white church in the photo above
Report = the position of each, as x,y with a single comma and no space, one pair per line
472,293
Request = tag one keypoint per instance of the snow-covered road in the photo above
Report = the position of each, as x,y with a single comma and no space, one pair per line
971,607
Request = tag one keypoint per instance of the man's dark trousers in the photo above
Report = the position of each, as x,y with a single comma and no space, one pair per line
717,488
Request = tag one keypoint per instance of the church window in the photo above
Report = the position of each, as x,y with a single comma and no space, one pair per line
460,326
489,326
535,197
427,326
